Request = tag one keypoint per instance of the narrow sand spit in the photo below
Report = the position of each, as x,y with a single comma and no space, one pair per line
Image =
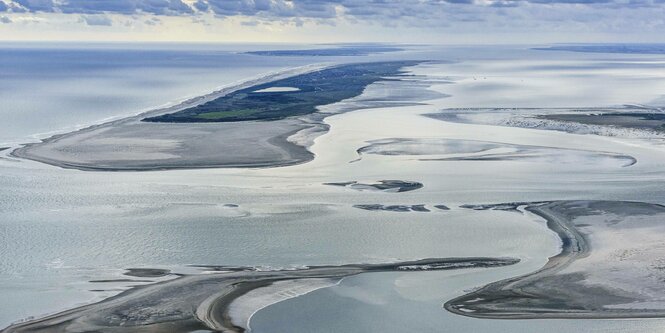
610,266
206,302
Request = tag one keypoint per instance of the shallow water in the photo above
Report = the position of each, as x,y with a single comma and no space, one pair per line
63,228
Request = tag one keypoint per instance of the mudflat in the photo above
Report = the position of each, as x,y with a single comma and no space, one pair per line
610,266
204,302
232,127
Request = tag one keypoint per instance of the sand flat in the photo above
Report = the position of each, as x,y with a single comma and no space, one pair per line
206,302
610,266
130,144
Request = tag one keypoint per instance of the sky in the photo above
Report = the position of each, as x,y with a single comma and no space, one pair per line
319,21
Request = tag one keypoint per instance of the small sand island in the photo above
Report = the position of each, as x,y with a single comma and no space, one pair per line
611,266
393,208
383,186
474,150
221,301
214,131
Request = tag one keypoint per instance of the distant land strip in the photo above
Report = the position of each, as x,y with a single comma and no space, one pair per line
308,91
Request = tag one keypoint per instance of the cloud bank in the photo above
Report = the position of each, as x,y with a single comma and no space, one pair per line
383,11
452,17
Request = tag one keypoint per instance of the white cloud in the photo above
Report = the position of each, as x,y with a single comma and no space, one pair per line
102,20
383,19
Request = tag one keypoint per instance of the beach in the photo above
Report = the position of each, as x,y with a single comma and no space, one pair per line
383,183
203,302
590,277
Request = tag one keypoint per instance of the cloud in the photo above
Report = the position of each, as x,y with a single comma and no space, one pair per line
5,19
317,9
153,21
250,23
127,7
101,20
456,15
201,6
36,5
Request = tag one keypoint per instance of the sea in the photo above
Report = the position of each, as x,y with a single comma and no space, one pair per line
67,236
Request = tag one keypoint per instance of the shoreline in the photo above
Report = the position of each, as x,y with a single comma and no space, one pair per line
573,246
202,302
280,141
135,144
301,155
549,293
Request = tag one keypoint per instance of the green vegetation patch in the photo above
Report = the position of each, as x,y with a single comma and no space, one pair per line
226,114
322,87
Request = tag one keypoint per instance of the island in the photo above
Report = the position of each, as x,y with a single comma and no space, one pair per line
264,102
215,130
631,48
344,51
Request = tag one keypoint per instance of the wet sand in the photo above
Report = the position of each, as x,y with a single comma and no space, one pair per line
130,144
134,144
147,272
609,267
393,208
202,302
473,150
650,121
629,121
382,185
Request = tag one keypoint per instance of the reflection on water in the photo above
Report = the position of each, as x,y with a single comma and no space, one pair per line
64,228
